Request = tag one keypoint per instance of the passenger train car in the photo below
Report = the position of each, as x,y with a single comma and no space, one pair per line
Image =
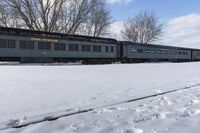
28,46
134,52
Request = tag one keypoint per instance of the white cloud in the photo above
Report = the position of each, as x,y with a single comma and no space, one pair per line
116,28
118,1
183,31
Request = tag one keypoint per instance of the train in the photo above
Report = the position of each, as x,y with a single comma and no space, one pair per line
31,46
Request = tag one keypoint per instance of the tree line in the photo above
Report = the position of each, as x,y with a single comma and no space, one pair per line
85,17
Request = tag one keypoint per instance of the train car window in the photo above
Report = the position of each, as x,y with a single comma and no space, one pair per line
7,43
140,50
41,45
106,49
112,49
85,48
170,52
60,46
47,45
44,45
3,43
11,43
23,44
179,53
30,44
73,47
26,45
96,48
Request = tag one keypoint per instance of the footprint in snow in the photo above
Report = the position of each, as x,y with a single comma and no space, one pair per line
188,112
192,102
164,101
17,122
77,126
151,117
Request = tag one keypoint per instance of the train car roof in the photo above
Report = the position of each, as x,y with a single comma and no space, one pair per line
157,45
35,33
53,35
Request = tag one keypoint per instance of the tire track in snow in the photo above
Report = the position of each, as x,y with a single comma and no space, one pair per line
20,123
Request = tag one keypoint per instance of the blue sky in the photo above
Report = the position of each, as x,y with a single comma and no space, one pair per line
181,18
163,8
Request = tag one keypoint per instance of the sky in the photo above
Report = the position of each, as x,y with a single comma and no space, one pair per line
180,19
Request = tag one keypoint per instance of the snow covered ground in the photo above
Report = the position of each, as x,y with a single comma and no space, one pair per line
30,93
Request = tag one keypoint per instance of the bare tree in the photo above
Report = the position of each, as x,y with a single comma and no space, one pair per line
100,19
37,14
4,16
144,27
8,18
88,17
74,13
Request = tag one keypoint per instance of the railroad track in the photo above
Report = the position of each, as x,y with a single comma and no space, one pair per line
70,112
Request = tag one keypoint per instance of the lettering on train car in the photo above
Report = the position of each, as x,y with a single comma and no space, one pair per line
44,39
